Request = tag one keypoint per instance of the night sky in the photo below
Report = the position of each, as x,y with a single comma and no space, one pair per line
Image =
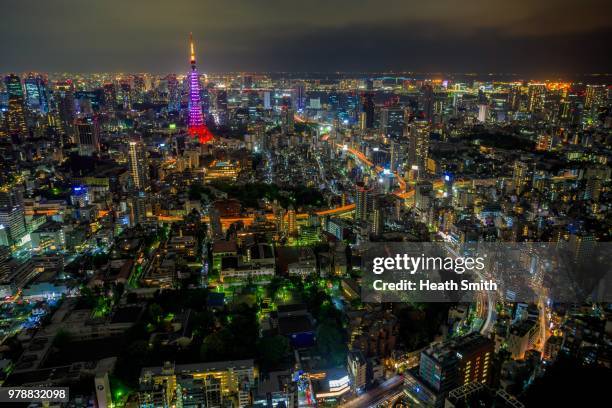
524,36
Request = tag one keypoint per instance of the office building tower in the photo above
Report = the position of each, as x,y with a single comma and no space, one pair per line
418,145
88,135
448,365
11,197
427,101
536,94
363,202
138,208
138,166
12,219
174,93
292,229
483,112
423,195
448,187
5,256
15,117
139,88
110,97
366,118
595,97
221,108
392,122
67,109
267,100
287,120
514,98
378,216
37,96
521,175
394,155
298,97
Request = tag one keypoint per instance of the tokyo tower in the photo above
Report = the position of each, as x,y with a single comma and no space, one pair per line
196,127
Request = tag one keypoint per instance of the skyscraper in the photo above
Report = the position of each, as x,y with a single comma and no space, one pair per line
174,93
363,202
110,96
536,94
428,102
291,222
37,97
67,110
12,218
221,107
366,118
88,135
138,165
418,144
298,96
392,121
196,126
378,216
16,115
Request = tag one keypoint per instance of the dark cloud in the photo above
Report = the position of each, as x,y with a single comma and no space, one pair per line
525,36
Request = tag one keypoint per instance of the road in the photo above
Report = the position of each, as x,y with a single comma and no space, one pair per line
378,395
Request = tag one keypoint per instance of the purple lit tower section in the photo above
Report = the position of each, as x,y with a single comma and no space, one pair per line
196,127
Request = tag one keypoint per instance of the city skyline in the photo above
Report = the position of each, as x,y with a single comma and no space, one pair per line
547,38
272,204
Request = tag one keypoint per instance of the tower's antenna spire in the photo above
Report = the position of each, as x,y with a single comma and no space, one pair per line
193,59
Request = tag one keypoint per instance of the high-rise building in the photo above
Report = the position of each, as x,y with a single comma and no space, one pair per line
174,93
287,120
196,127
423,195
363,202
428,101
67,109
124,96
594,100
378,216
138,208
514,98
37,96
299,96
221,108
5,255
394,155
483,112
138,166
418,144
16,113
448,365
291,222
12,218
392,121
88,135
521,175
594,97
536,94
110,96
366,118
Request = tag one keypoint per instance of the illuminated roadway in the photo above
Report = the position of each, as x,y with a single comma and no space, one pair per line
384,392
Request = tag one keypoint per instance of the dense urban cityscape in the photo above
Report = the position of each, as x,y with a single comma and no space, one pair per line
197,239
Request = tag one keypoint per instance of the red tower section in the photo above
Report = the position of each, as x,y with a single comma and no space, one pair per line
196,127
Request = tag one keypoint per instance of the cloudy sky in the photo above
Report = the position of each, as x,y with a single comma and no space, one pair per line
523,36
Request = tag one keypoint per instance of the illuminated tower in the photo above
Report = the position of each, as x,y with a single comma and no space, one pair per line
196,126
